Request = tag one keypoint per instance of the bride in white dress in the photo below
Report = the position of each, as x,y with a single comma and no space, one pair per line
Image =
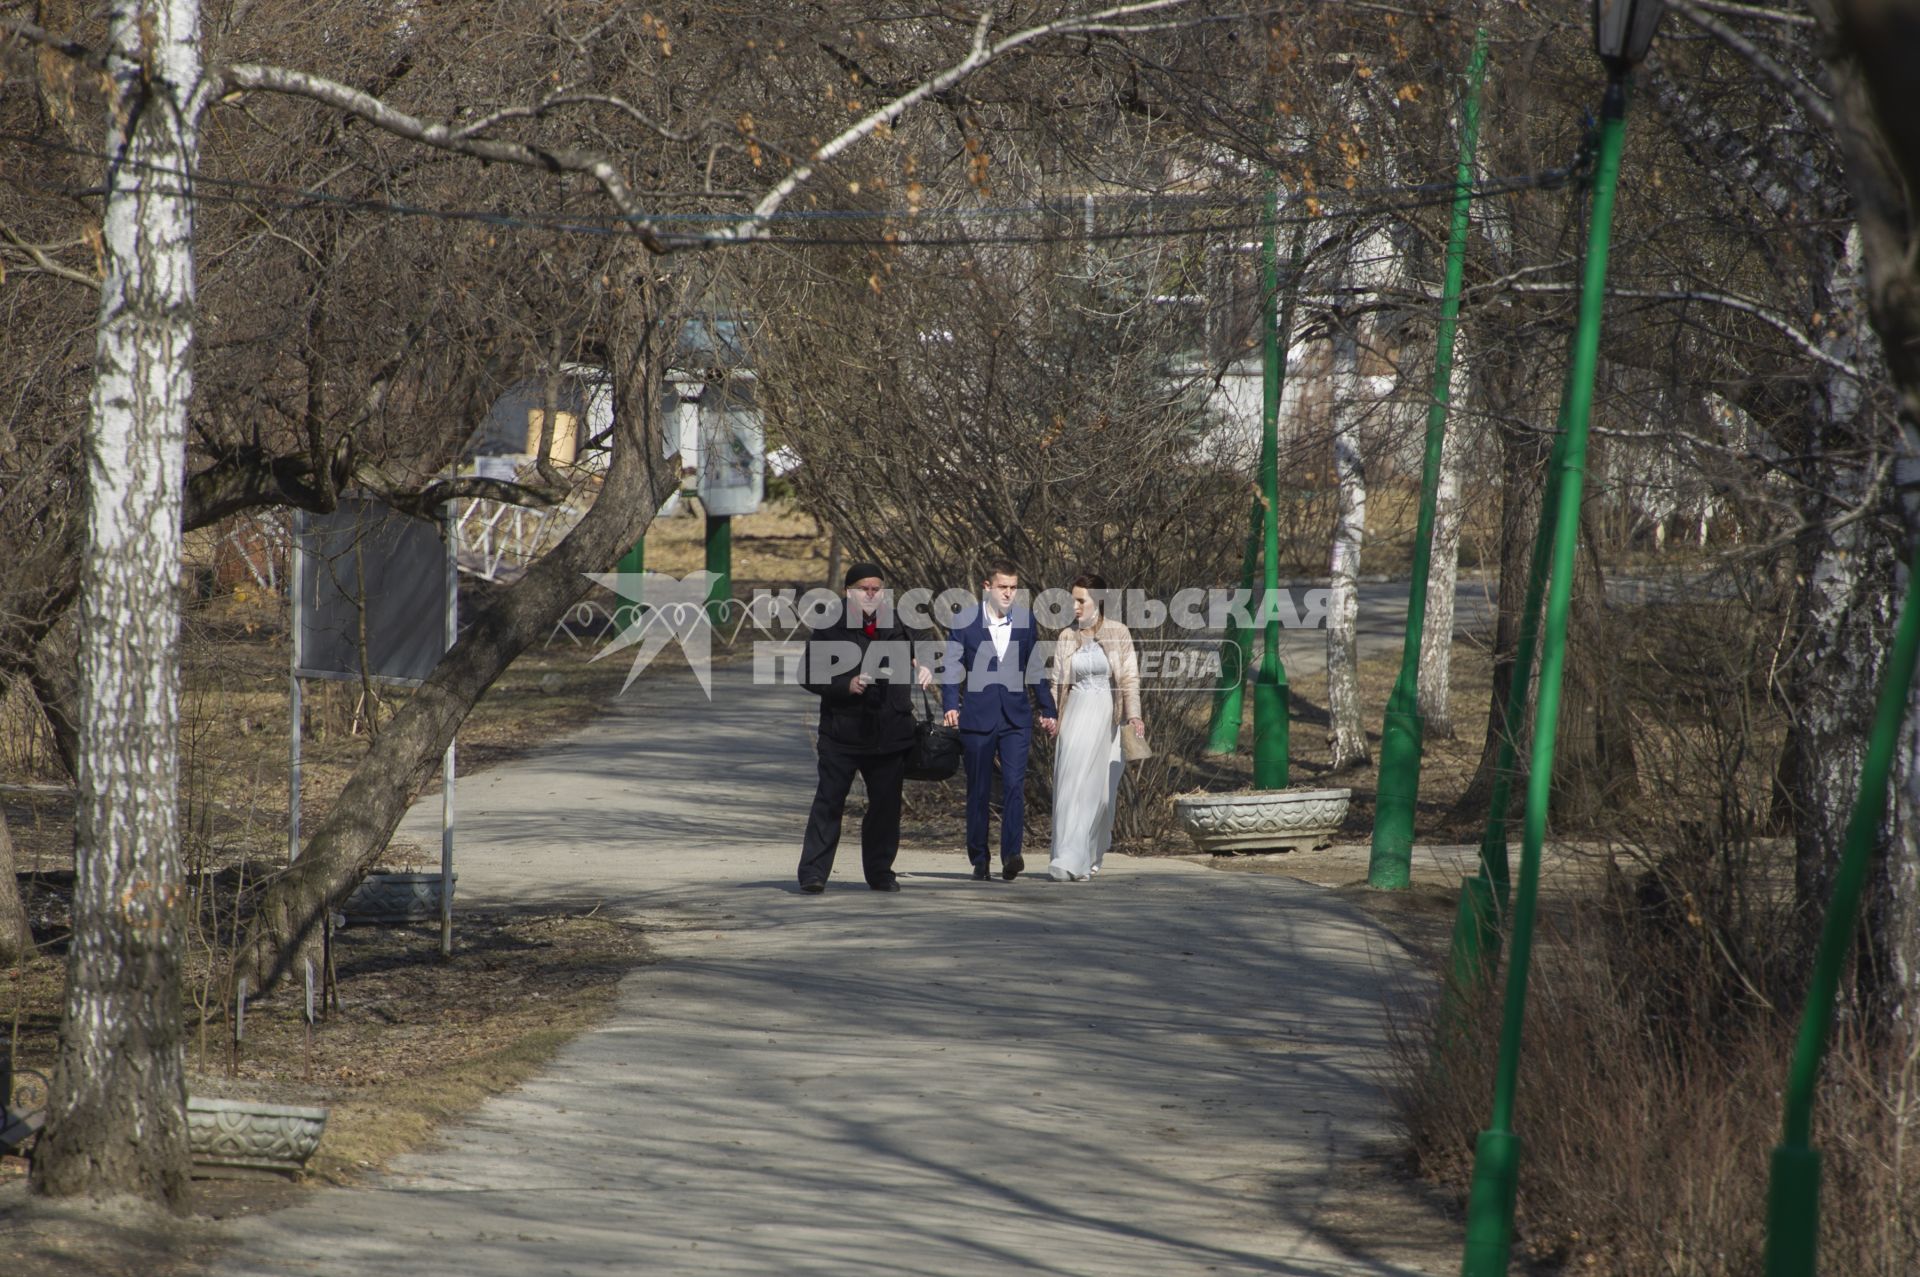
1096,685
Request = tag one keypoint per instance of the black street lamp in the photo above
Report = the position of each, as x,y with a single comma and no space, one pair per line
1623,30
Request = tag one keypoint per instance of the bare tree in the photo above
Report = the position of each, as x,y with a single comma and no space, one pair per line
626,116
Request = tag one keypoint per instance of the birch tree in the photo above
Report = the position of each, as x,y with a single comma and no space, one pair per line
1436,640
1362,410
117,1110
1870,48
1347,734
1845,434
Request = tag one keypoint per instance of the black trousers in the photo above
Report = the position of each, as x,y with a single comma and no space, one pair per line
879,831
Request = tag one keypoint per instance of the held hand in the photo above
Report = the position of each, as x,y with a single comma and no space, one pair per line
1052,726
1139,728
952,718
858,684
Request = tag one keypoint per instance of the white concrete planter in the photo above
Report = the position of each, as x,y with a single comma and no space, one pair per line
250,1135
395,897
1263,820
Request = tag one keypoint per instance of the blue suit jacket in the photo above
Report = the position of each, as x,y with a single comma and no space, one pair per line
991,691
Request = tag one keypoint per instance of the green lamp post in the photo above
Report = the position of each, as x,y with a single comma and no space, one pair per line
1223,733
1270,726
720,565
634,560
1485,896
1623,29
1390,864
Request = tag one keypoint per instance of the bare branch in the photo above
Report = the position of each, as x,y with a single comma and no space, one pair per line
1756,12
1816,106
571,99
754,225
251,478
1759,312
46,265
247,77
1744,305
1775,177
425,501
268,79
31,34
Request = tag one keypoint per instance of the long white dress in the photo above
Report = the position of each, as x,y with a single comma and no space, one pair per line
1086,770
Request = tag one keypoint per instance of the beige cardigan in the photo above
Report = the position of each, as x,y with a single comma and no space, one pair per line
1117,642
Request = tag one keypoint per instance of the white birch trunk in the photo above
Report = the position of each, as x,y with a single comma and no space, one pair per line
1436,638
1870,51
117,1117
1900,920
1844,616
1346,737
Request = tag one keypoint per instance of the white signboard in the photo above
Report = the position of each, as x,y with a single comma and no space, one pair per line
733,454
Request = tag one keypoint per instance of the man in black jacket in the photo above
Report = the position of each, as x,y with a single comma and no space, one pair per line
857,664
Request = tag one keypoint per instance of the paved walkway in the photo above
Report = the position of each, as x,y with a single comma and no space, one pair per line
1149,1074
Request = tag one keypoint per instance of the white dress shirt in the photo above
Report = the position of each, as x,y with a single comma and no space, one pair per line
1000,630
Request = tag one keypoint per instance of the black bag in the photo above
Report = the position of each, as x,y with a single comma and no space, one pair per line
936,747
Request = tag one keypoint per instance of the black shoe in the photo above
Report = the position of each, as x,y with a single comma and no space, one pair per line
982,874
813,886
891,884
1010,866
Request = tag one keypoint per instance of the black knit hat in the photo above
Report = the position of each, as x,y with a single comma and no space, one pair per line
861,571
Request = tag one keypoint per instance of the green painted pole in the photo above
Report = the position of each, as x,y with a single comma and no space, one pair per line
1390,864
1490,1203
1484,897
1793,1188
634,560
720,563
1270,727
1229,699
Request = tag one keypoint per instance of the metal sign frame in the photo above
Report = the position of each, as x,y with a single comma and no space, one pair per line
297,670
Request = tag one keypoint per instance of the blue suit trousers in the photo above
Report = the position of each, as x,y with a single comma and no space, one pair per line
1003,752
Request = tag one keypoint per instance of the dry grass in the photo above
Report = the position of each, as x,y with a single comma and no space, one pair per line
415,1043
1648,1104
1663,1007
777,546
414,1039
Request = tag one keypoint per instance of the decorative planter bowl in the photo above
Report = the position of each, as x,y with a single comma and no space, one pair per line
250,1135
1264,820
395,897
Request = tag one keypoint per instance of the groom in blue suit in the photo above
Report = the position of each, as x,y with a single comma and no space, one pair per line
990,697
